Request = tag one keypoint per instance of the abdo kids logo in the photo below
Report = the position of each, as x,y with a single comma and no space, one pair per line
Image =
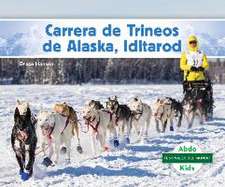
187,158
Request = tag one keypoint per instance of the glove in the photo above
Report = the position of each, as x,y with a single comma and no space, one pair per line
201,69
194,68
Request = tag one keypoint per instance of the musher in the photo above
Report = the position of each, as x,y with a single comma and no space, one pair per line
193,63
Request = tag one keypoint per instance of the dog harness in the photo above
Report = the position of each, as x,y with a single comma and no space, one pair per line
66,124
92,125
111,113
22,135
163,105
137,114
50,129
111,116
117,117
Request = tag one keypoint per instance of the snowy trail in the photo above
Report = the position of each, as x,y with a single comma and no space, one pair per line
138,164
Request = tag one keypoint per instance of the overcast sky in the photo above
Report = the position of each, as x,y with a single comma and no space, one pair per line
112,8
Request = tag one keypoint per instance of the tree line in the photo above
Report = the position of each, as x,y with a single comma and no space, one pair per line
97,71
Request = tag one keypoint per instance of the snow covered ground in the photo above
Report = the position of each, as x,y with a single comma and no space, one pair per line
136,165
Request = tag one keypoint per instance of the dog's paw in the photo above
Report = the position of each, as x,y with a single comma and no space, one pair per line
127,140
116,143
79,149
24,176
63,150
47,162
171,128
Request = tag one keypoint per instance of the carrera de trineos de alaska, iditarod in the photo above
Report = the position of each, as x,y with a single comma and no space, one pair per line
110,124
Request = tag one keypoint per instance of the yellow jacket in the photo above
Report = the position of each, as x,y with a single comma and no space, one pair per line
190,75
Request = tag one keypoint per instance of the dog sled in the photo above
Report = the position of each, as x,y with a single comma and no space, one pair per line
200,91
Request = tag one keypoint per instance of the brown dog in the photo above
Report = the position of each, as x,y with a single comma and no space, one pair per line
65,110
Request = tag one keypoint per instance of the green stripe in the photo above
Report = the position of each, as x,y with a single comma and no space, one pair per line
187,158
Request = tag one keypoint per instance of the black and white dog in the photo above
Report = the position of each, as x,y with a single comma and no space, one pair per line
178,109
123,117
23,138
194,105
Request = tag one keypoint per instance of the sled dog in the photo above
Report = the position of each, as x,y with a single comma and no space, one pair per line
141,116
166,110
194,107
101,123
56,131
23,138
123,117
67,111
